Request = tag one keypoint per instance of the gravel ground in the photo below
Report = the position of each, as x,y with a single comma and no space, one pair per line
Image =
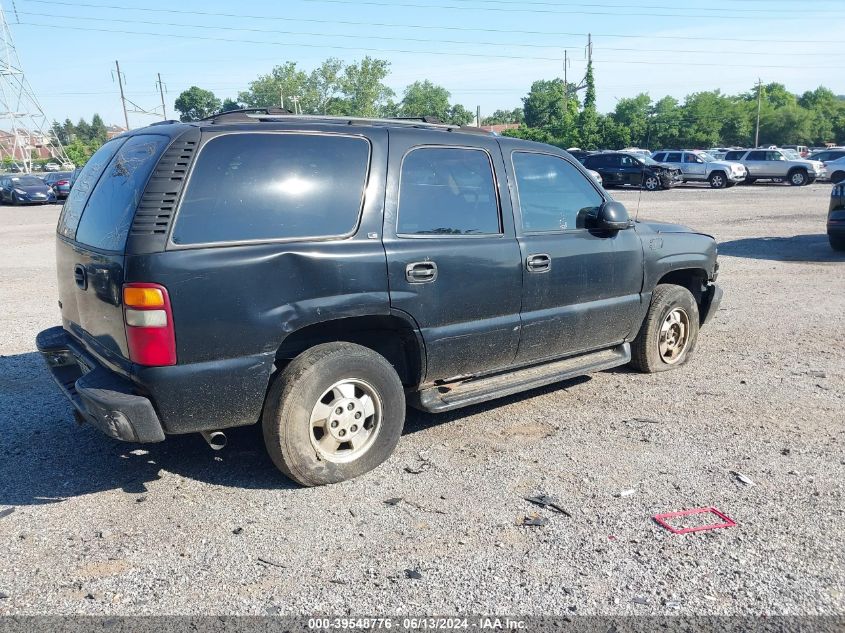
104,527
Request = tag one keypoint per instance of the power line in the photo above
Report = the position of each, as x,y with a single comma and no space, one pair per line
426,27
415,52
498,44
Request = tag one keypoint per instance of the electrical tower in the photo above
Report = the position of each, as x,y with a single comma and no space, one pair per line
24,128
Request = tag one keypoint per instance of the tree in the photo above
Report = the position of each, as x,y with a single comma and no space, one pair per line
633,115
666,123
503,117
459,115
229,105
423,98
323,87
196,103
363,87
544,106
281,84
588,119
98,132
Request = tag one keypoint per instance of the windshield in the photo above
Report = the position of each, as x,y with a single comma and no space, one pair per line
706,156
791,154
27,181
648,160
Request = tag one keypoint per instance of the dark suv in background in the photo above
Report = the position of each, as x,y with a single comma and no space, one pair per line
312,273
619,169
836,217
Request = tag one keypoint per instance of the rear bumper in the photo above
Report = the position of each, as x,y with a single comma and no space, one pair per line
101,397
710,301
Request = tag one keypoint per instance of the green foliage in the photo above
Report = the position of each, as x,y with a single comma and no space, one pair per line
80,141
501,117
195,103
423,98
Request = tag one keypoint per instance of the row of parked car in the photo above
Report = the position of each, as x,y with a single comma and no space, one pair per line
35,188
668,168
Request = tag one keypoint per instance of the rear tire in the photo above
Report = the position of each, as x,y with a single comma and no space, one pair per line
837,242
669,332
718,180
321,402
798,178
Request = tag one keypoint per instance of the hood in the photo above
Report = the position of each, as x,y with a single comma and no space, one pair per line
666,227
32,188
726,164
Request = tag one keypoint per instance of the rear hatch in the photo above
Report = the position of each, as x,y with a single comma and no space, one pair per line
91,240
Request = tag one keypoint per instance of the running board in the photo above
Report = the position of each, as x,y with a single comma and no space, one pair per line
453,396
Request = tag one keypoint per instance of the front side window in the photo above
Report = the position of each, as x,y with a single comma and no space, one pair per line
553,194
659,157
259,187
111,205
673,157
692,158
775,156
447,191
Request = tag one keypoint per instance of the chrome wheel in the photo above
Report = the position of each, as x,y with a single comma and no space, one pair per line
345,421
798,178
717,182
674,336
652,183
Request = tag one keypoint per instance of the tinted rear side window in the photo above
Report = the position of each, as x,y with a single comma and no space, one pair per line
254,187
82,186
111,206
734,155
447,191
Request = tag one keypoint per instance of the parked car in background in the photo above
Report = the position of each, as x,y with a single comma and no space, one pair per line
836,217
360,263
697,166
619,169
774,164
637,150
597,176
25,189
579,154
827,155
52,167
718,152
59,181
836,170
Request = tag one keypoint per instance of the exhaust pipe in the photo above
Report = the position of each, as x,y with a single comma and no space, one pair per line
216,439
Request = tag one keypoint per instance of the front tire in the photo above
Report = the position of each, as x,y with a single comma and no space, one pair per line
335,412
669,332
718,180
799,178
651,183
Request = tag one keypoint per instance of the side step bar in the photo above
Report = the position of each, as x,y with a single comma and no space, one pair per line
453,396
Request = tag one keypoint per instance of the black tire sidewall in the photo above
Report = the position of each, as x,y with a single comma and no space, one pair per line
287,430
645,350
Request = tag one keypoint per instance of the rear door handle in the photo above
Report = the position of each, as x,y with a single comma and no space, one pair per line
539,263
80,276
421,272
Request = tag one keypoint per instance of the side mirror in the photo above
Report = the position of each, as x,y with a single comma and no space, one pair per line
612,216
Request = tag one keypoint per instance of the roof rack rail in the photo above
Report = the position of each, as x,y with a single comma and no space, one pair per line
242,114
422,119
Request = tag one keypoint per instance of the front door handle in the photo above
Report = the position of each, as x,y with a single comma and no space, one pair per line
421,272
539,263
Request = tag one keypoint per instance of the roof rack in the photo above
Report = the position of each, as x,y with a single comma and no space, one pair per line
258,115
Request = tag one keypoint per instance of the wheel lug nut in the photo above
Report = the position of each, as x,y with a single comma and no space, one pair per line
354,428
342,433
334,424
357,415
350,406
339,410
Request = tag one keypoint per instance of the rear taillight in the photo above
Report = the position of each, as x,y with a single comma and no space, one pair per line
149,324
61,182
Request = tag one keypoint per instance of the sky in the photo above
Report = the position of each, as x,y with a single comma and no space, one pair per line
485,52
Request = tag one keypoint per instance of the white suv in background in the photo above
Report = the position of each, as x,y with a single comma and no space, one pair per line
775,164
702,167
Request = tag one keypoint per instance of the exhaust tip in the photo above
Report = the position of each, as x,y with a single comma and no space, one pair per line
216,439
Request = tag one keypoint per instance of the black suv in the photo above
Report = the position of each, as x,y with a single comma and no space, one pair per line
621,168
312,273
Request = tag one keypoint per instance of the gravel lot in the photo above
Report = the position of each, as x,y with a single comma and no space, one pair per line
104,527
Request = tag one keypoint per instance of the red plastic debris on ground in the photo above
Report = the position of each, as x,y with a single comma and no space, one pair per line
726,520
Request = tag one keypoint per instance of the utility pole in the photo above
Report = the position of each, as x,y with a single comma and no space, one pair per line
122,97
161,92
478,116
759,96
282,98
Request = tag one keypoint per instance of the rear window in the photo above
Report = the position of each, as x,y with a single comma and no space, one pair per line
257,187
82,186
